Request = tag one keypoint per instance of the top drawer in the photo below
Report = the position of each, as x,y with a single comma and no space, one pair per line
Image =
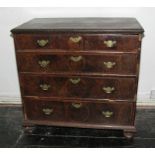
112,42
48,41
108,42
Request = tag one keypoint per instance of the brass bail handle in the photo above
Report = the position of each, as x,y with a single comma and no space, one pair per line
77,105
108,90
76,39
45,87
76,58
75,80
47,111
110,43
109,64
107,114
42,42
43,63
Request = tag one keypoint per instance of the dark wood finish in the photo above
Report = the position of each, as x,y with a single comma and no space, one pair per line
125,43
91,25
86,112
63,91
87,87
124,63
34,110
122,113
29,41
24,41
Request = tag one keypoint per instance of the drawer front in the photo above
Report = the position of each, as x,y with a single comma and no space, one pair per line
48,41
70,41
113,42
44,110
35,41
113,113
126,43
78,87
78,111
106,63
108,113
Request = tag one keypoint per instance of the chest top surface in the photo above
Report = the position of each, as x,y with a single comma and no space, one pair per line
104,25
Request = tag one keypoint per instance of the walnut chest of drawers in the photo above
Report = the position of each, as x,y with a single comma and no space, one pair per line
79,72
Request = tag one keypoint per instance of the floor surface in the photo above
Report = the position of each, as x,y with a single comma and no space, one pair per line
12,134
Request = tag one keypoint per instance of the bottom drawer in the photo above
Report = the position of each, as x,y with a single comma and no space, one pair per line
106,113
44,110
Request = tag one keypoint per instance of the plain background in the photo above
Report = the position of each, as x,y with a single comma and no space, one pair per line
12,17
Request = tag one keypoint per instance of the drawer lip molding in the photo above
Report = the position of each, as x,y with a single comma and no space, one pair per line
81,99
79,72
75,52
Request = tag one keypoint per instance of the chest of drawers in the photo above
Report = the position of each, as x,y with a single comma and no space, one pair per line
79,72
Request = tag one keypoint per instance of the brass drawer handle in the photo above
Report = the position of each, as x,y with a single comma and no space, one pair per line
75,39
110,43
75,81
45,87
109,64
107,114
108,90
77,105
44,63
42,42
76,58
47,111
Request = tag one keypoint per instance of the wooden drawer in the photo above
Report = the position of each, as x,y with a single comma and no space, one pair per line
35,41
44,110
108,113
108,42
112,113
107,63
78,87
79,72
48,41
71,41
79,111
116,113
112,42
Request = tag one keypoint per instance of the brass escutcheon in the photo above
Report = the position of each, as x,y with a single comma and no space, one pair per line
77,105
42,42
110,43
44,63
108,90
75,80
109,64
107,114
75,39
76,58
47,111
44,87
